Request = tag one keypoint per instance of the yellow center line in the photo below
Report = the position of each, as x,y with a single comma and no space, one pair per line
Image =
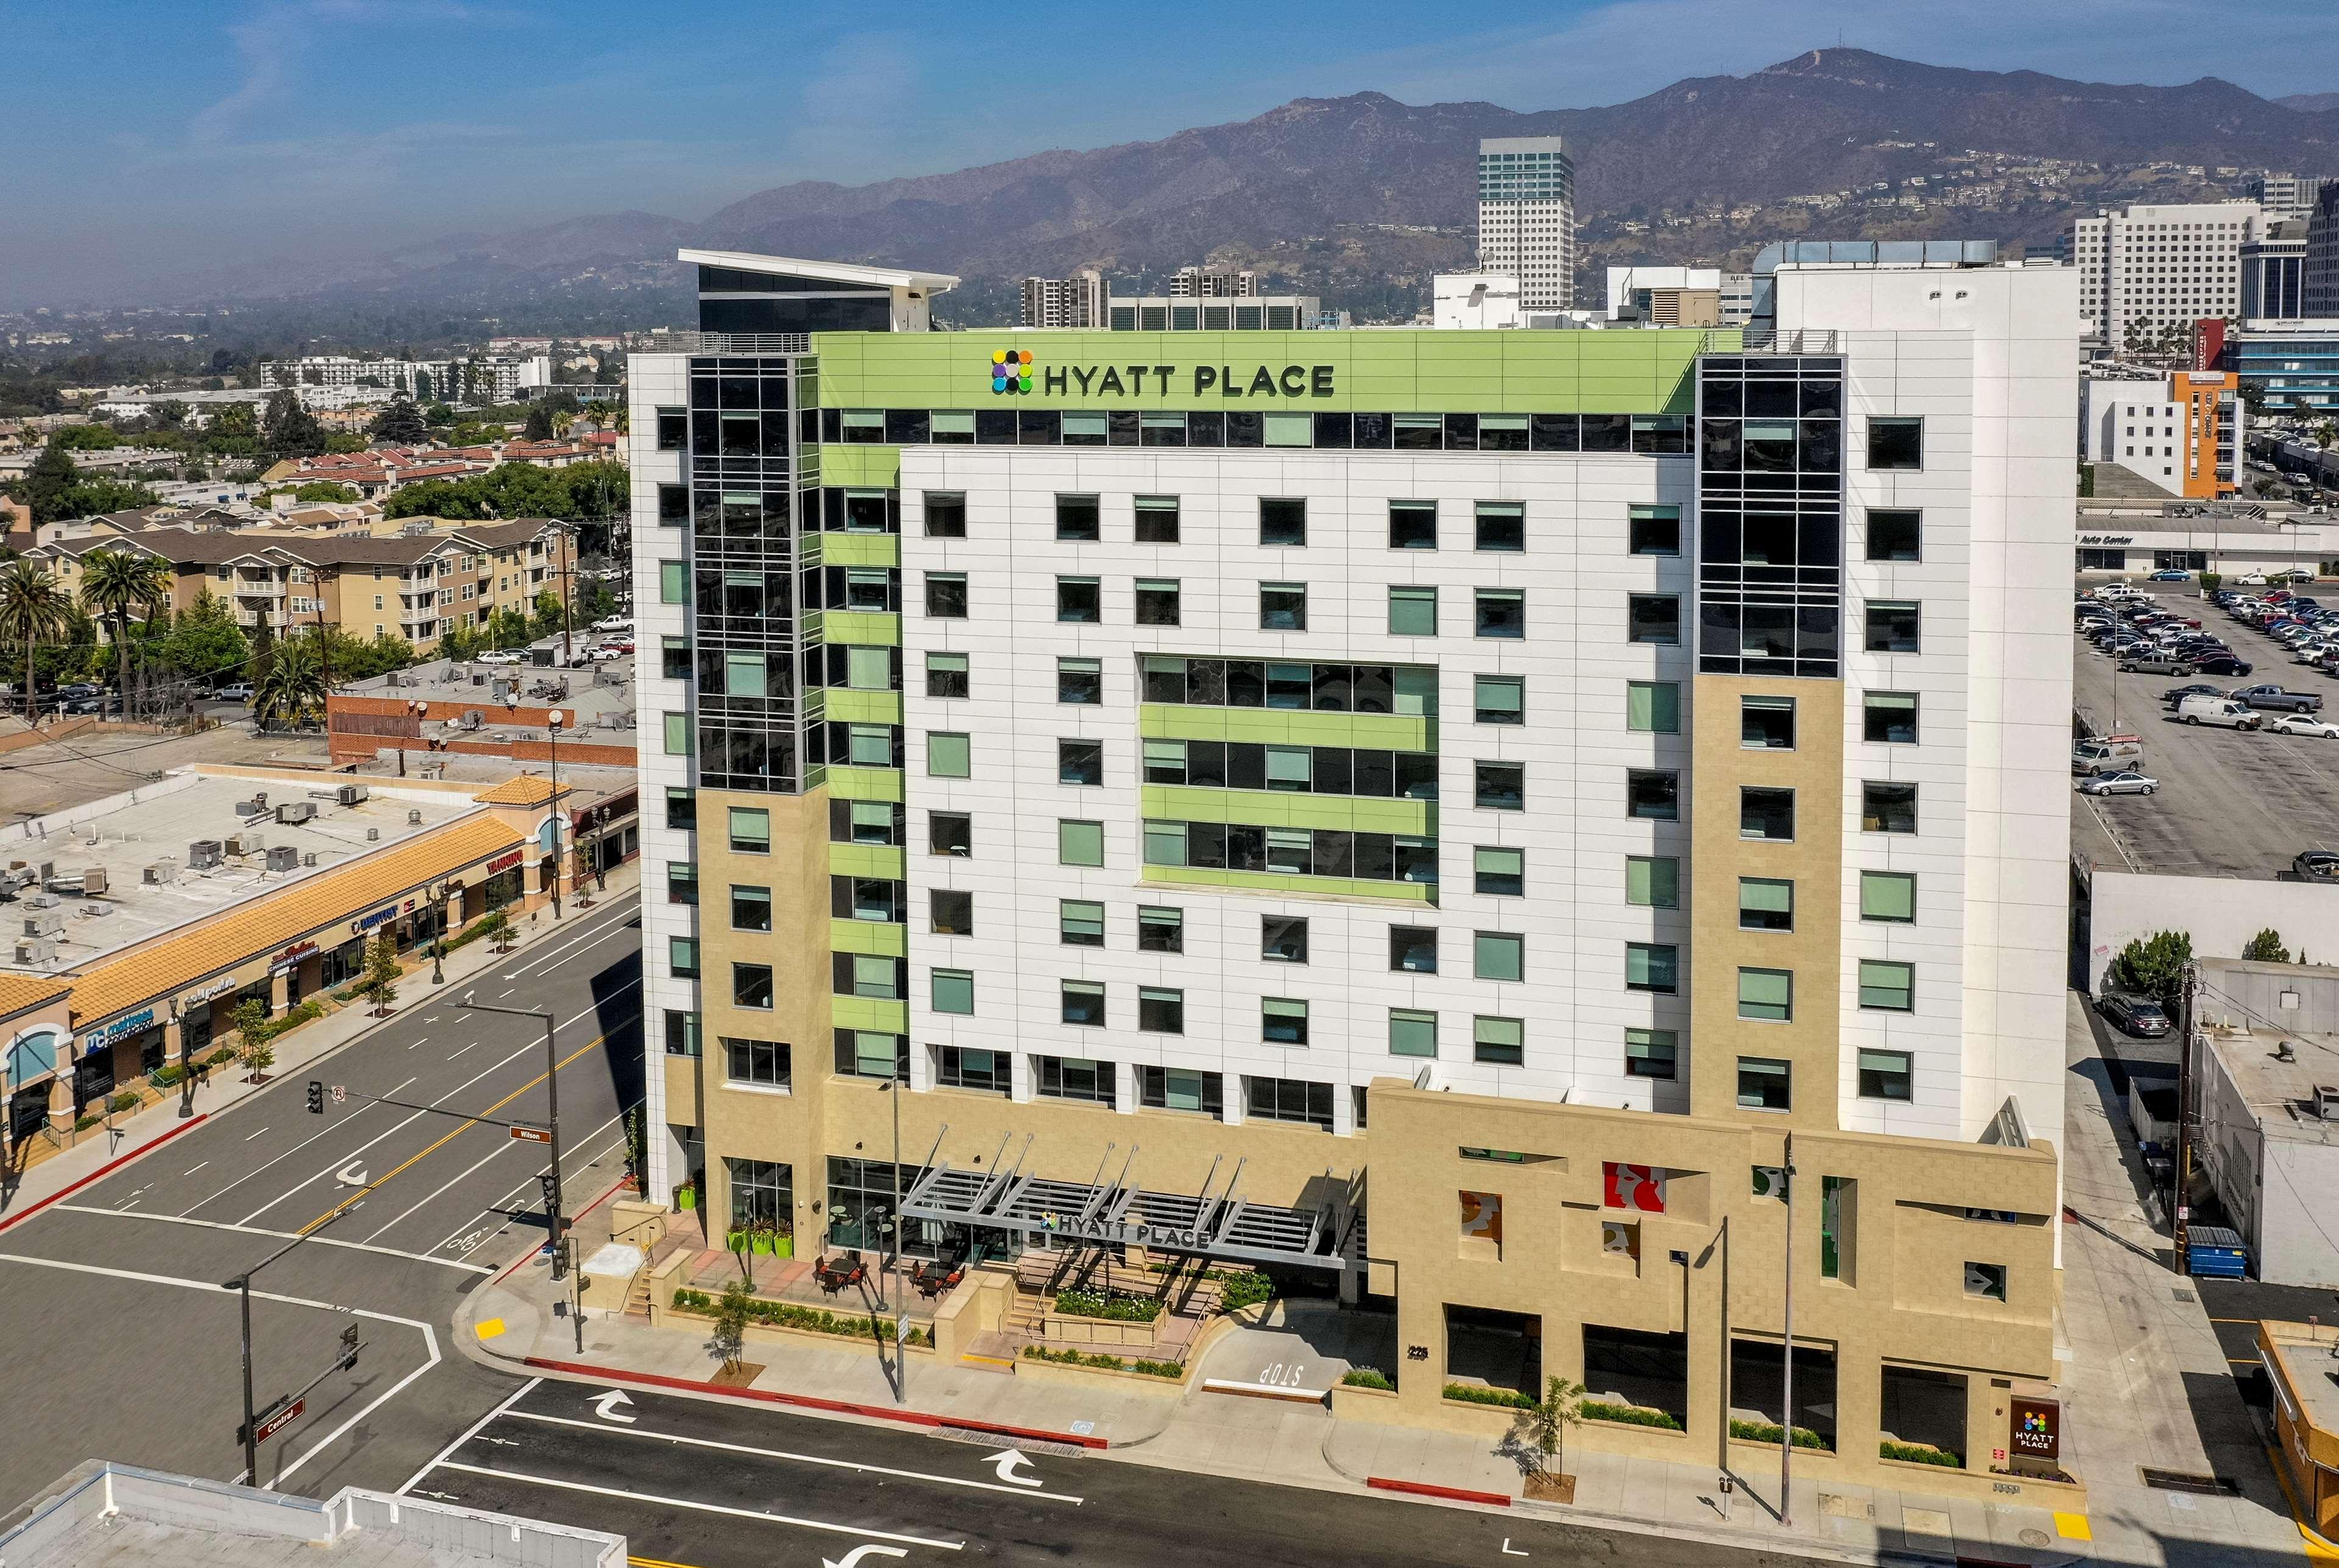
371,1187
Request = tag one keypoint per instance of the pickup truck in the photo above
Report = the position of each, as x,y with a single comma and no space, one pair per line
2273,699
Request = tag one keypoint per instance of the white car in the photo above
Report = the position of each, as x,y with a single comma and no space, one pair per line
2252,579
602,653
2304,724
614,623
498,656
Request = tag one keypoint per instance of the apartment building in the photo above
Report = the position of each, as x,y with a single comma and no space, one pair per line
2177,433
474,379
2145,272
1216,280
1527,217
1074,301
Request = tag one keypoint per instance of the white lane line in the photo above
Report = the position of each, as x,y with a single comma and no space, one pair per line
507,991
424,1039
580,947
605,1429
288,1154
525,1389
861,1532
278,1234
553,959
497,1209
470,1047
249,1137
429,1343
442,1187
185,1174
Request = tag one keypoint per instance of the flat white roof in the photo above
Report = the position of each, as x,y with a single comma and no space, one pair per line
838,271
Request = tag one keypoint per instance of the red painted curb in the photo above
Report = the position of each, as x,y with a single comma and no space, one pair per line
108,1168
808,1402
1423,1489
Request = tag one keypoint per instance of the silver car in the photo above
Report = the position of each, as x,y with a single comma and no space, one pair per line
2125,781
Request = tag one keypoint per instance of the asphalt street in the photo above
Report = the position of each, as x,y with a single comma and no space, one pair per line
126,1347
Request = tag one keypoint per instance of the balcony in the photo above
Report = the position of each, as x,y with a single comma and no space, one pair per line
732,343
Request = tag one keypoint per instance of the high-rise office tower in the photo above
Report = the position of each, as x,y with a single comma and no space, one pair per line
1527,217
1428,812
2274,270
2319,272
1074,301
2148,271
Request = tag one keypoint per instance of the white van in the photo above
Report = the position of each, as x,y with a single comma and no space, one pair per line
2222,711
2107,754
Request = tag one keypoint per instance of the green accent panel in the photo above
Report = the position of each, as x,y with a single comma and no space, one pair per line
1268,881
860,549
1277,808
867,859
869,1013
1287,726
846,705
876,467
883,938
871,629
864,783
1401,371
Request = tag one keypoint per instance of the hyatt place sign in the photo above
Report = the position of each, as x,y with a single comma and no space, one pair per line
1166,380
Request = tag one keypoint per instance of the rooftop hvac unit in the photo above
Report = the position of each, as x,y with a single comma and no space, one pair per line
260,800
474,719
204,854
296,811
162,871
246,842
47,922
42,901
414,817
93,879
2326,1101
349,795
96,911
36,950
250,807
284,857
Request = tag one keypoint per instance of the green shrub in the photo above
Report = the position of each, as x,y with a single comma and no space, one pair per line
1920,1454
167,1076
1168,1369
1239,1288
1768,1432
1366,1378
1629,1414
1471,1394
1114,1309
788,1315
126,1100
85,1122
1078,1358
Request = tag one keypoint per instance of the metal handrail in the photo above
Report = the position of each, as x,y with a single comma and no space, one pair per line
731,343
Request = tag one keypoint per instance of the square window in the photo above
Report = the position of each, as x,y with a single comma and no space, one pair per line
1413,612
1887,987
953,990
1283,607
1082,1004
1080,842
1165,843
1079,681
682,957
1160,1011
1157,519
1652,966
1652,618
1079,518
1500,699
1282,521
952,911
1766,813
866,669
1652,708
1652,794
1893,627
1412,1033
945,515
1766,903
1654,531
1652,1053
1079,762
1080,601
1499,955
1502,527
1413,525
1896,443
1498,1042
950,833
1501,613
869,745
1652,882
948,755
946,673
751,829
1283,938
1160,930
1501,873
1766,723
1764,1083
751,908
1986,1280
946,596
1888,807
1156,602
1884,1075
1767,994
1080,922
1502,786
1888,895
1413,949
1889,716
1895,536
1283,1021
751,985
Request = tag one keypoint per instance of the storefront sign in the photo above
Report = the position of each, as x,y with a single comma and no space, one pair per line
290,959
389,911
1127,1233
2107,538
1164,380
203,993
119,1028
505,862
2034,1430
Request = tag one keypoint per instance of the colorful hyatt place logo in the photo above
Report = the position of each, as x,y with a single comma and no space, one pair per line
1010,370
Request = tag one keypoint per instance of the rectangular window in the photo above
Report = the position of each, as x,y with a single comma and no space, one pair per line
1896,443
1652,966
673,658
1501,873
1652,618
1502,786
1895,536
681,809
1888,895
1502,527
1652,1053
1283,1021
1887,987
1085,428
1884,1075
1079,518
1080,601
1499,955
764,1062
1766,813
1498,1042
1889,716
869,1054
948,755
1282,521
1652,882
1413,525
1501,613
950,833
946,673
681,882
945,511
1073,1077
751,908
869,745
682,957
681,1033
1766,903
1079,681
1893,627
674,582
1654,531
751,986
1157,519
1080,922
1160,930
1888,807
1160,1011
876,977
1412,1033
1079,762
952,911
1766,723
1080,842
751,829
1165,843
1652,708
946,596
1181,1089
1283,938
1500,699
1289,1099
1413,612
672,429
677,734
986,1072
1652,794
1764,1083
1413,949
1283,607
1289,430
953,990
1767,994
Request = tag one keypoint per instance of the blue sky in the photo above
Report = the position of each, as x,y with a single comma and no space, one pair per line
201,134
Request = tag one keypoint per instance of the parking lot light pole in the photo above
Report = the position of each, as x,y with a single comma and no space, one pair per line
552,1107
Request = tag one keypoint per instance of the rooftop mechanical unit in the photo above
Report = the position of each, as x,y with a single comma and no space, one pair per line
46,922
349,794
36,950
2326,1101
284,857
162,871
296,811
246,842
205,853
93,880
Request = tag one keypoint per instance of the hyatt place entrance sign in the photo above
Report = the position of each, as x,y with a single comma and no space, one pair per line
1164,380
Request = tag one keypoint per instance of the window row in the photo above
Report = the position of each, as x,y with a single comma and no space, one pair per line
1292,852
1650,435
1768,995
1299,769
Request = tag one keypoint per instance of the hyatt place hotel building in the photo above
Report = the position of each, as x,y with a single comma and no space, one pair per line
1444,815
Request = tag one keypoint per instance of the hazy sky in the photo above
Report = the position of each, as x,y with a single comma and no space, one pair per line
152,137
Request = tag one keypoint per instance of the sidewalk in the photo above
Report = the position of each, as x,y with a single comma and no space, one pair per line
296,1052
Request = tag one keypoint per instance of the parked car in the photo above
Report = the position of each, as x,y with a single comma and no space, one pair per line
2176,695
2227,713
239,692
2170,574
2291,575
2108,754
2274,699
2133,1014
2252,579
2317,864
499,657
2154,662
2122,782
605,652
82,705
614,623
2305,724
2223,665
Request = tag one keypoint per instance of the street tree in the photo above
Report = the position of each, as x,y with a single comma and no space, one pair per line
381,973
115,582
727,1341
2153,966
2266,948
1543,1424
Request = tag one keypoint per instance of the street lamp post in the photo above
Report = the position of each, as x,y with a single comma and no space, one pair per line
186,1066
552,1118
439,942
892,1087
552,722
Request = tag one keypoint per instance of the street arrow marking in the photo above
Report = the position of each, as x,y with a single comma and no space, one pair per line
1006,1460
858,1552
349,1175
605,1406
1510,1551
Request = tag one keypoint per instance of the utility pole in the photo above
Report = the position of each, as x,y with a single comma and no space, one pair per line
1787,1397
2188,1108
552,1113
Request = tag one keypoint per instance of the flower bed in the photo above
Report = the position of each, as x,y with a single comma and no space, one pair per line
1237,1287
1627,1415
788,1315
1115,1308
1168,1369
1366,1378
1920,1454
1472,1393
1768,1432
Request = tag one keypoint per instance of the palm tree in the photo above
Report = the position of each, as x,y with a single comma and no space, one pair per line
34,609
292,688
111,582
562,420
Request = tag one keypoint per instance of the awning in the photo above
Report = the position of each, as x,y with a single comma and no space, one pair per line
1117,1215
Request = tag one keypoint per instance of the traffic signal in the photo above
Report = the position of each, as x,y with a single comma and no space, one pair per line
350,1348
316,1096
551,1191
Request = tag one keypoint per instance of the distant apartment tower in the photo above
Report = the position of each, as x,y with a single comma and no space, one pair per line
1216,280
2144,271
2287,196
1527,217
1074,301
2319,282
2274,272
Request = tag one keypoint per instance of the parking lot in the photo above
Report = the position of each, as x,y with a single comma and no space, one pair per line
2231,802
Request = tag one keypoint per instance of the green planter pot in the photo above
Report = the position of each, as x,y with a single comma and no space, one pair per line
685,1198
783,1247
735,1242
760,1243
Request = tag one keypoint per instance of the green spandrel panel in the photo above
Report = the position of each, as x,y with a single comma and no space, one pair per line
868,1012
872,860
870,936
865,783
876,467
860,550
1269,881
845,706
